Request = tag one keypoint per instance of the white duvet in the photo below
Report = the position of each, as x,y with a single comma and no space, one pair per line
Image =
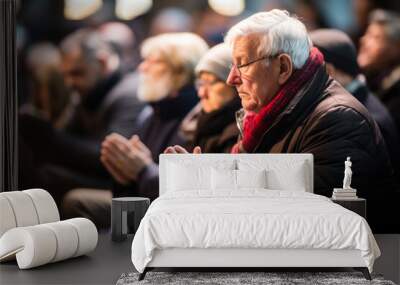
250,219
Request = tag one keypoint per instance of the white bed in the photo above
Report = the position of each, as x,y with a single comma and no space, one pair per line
204,221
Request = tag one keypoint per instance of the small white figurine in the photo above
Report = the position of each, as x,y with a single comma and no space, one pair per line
347,174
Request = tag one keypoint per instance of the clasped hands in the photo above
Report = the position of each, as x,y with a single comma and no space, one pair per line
125,158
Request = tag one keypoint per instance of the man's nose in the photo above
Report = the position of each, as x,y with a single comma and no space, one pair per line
234,77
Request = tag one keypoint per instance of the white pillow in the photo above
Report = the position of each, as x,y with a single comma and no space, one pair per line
281,174
183,177
189,174
226,179
251,178
290,179
223,179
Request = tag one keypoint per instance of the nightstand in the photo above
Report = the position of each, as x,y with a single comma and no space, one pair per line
358,205
126,214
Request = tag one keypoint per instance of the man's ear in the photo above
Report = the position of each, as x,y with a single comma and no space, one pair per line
285,68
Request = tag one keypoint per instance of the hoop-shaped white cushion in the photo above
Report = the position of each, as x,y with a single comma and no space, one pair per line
7,218
41,244
23,208
45,205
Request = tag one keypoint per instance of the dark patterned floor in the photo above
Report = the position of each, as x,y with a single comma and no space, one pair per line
269,278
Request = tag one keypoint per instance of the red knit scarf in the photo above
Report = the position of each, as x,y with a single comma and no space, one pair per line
256,124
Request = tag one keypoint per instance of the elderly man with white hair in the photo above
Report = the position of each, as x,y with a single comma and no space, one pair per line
166,82
291,105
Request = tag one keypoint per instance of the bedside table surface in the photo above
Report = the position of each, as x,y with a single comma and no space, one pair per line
356,199
349,200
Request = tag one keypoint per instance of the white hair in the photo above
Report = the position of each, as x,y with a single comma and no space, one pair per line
280,33
181,50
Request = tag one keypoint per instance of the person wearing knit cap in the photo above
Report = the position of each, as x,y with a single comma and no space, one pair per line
217,61
341,63
216,129
211,124
212,72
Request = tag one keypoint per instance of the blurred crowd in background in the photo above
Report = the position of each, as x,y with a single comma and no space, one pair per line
93,77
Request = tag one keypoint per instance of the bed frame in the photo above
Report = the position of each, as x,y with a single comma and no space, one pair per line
244,259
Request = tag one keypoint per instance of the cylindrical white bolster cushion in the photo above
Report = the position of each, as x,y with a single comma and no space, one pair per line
34,245
7,218
87,235
67,240
45,205
41,244
23,208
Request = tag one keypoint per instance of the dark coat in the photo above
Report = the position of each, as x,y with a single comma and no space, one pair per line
387,87
159,130
217,131
327,121
391,99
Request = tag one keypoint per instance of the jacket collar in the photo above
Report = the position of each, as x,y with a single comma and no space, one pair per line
382,81
391,79
297,110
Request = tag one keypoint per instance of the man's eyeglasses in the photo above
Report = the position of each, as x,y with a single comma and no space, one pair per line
206,84
239,66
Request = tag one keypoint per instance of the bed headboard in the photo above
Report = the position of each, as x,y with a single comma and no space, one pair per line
269,161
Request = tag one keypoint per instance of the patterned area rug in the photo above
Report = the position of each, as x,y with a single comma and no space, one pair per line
269,278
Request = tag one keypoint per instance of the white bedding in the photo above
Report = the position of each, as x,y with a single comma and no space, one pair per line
252,218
